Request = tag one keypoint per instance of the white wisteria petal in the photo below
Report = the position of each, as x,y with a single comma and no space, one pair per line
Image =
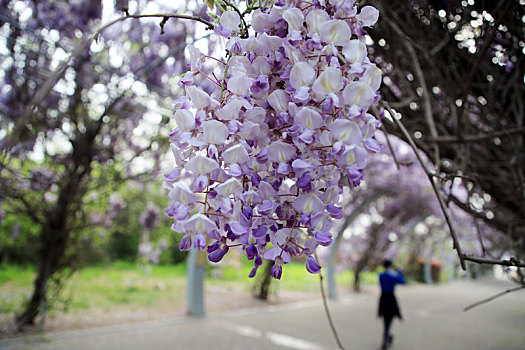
302,74
294,55
201,165
308,118
260,66
346,131
320,222
185,119
369,129
267,44
316,19
280,152
302,94
232,41
358,94
249,130
336,32
276,13
372,77
279,237
256,115
195,141
325,138
248,44
240,84
278,100
294,17
355,51
178,156
231,20
353,155
236,154
300,164
231,186
361,157
239,64
368,16
330,80
347,157
231,110
266,190
195,57
182,194
199,223
198,98
273,253
215,132
308,203
260,21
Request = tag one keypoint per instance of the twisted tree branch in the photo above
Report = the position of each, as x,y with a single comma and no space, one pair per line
430,176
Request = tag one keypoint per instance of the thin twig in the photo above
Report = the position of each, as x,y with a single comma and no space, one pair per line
385,131
500,224
511,262
244,33
475,138
429,116
492,298
480,237
327,310
390,147
430,176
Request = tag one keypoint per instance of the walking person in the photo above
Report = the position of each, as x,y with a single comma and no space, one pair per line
388,307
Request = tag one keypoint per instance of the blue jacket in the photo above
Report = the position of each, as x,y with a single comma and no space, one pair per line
389,279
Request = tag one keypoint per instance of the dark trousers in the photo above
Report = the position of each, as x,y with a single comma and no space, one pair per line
387,321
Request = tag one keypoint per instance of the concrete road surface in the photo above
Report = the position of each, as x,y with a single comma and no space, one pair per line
433,320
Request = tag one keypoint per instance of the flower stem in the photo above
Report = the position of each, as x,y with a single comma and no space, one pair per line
327,311
223,87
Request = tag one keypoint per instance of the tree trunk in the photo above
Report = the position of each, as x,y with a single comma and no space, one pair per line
332,292
55,231
52,254
357,281
362,263
263,288
32,308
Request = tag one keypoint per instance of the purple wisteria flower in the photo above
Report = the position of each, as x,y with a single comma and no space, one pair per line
312,266
265,156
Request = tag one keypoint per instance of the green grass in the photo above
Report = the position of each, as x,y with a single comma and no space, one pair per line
295,277
126,284
123,285
18,275
119,284
15,286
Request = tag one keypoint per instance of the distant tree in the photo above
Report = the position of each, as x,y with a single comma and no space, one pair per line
391,217
381,215
97,128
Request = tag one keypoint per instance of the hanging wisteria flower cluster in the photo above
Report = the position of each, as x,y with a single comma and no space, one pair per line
269,151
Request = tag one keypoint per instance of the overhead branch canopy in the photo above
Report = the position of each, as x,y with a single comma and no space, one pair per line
455,74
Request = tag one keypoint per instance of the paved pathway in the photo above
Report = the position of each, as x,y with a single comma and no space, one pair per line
433,320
